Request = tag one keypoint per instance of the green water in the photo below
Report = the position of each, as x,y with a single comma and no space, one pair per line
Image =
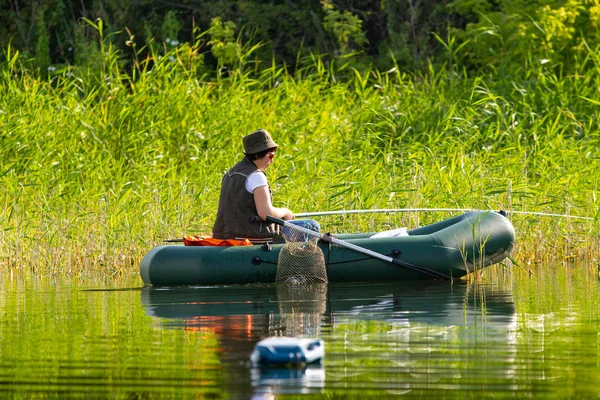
517,337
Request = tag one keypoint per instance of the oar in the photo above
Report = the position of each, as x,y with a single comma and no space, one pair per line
330,239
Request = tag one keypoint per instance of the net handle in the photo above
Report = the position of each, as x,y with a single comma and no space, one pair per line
330,239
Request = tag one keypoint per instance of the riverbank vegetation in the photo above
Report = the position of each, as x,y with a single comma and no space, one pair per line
104,159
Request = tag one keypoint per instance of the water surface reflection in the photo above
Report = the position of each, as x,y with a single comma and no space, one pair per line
390,337
262,306
99,337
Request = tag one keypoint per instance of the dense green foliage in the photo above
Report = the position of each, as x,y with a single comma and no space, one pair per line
477,34
106,157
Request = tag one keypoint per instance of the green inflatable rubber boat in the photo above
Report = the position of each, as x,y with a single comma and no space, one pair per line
451,248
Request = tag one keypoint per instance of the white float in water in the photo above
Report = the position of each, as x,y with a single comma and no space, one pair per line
288,350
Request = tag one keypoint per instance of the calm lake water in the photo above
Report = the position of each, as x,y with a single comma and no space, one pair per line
519,337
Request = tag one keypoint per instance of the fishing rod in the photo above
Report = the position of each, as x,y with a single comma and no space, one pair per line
400,210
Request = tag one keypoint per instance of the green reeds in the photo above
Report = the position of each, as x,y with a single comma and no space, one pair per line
97,171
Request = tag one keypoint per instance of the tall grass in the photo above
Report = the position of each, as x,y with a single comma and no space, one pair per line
98,168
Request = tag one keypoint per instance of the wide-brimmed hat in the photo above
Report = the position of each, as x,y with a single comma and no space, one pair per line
258,141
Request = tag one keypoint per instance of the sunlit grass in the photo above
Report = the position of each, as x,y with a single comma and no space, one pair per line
96,170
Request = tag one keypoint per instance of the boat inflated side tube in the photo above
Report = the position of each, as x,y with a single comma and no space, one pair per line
448,248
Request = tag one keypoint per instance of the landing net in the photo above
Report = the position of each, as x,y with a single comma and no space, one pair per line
300,259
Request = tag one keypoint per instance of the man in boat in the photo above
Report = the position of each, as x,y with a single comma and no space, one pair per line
246,199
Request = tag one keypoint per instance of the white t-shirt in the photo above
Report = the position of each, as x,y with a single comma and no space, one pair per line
255,180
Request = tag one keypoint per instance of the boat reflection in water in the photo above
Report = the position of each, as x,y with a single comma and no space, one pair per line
412,315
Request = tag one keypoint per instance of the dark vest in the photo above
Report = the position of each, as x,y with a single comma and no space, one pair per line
237,216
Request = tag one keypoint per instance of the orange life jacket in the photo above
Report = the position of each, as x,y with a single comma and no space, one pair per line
210,241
